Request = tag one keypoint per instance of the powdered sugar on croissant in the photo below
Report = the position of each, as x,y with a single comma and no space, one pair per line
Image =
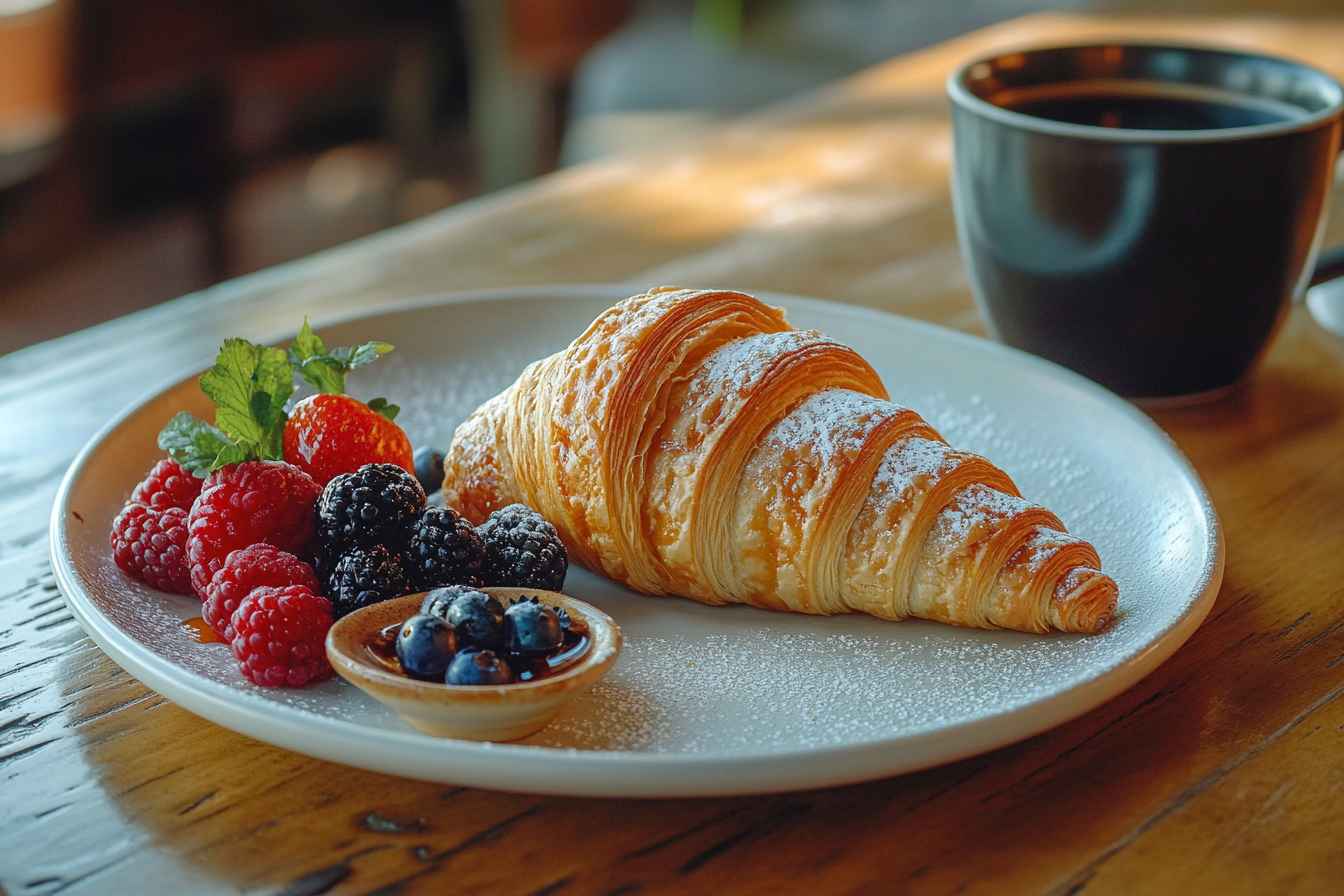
690,442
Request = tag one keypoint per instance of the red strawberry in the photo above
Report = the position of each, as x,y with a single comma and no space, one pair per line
332,434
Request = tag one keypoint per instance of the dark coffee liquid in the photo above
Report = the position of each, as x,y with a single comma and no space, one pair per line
1150,111
1156,267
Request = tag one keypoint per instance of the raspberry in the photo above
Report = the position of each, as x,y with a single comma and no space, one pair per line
244,504
522,549
365,576
150,545
327,435
279,636
167,485
376,504
248,568
444,550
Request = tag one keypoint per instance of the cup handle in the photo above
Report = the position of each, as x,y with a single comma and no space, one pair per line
1329,265
1326,306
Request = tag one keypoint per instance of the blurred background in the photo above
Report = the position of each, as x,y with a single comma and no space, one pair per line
150,148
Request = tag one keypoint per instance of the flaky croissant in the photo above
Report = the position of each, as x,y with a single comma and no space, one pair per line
691,442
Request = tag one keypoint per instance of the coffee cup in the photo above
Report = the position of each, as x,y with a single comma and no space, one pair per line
1144,214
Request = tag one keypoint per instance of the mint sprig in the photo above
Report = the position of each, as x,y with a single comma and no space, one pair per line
325,369
250,385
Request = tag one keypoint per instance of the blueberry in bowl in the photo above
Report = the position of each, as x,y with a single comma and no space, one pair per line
437,601
426,647
502,692
478,618
475,667
531,628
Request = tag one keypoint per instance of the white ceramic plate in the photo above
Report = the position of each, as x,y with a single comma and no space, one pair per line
713,700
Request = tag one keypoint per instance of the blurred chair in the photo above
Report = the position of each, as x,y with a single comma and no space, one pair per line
678,67
523,54
35,116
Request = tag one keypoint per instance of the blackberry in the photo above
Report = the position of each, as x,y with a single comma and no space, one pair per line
324,563
376,504
523,550
444,550
365,576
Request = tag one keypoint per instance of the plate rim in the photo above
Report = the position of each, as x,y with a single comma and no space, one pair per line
760,771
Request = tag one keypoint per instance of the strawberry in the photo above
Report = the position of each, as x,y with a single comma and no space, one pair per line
332,434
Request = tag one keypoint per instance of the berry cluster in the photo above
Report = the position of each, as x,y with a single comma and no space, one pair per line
231,515
282,516
377,540
463,636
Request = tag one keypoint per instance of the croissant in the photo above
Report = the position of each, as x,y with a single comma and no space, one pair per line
690,442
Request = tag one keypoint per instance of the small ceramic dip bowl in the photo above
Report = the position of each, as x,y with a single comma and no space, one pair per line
471,712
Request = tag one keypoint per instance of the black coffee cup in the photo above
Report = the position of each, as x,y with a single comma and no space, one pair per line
1143,214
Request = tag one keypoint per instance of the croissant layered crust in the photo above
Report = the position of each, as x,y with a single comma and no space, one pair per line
690,442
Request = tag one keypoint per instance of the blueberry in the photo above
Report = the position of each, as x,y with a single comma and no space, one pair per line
478,667
429,468
531,628
425,646
478,618
437,601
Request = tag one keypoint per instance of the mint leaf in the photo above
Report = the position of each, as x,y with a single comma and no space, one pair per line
274,384
323,374
359,355
308,343
274,376
325,369
382,407
229,454
229,385
199,447
249,385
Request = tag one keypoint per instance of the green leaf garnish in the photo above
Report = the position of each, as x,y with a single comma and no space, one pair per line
199,447
325,369
249,385
384,408
308,343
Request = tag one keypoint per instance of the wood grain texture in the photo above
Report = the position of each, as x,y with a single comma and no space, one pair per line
1217,773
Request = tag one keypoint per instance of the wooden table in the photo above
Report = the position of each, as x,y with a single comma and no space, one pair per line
1221,772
